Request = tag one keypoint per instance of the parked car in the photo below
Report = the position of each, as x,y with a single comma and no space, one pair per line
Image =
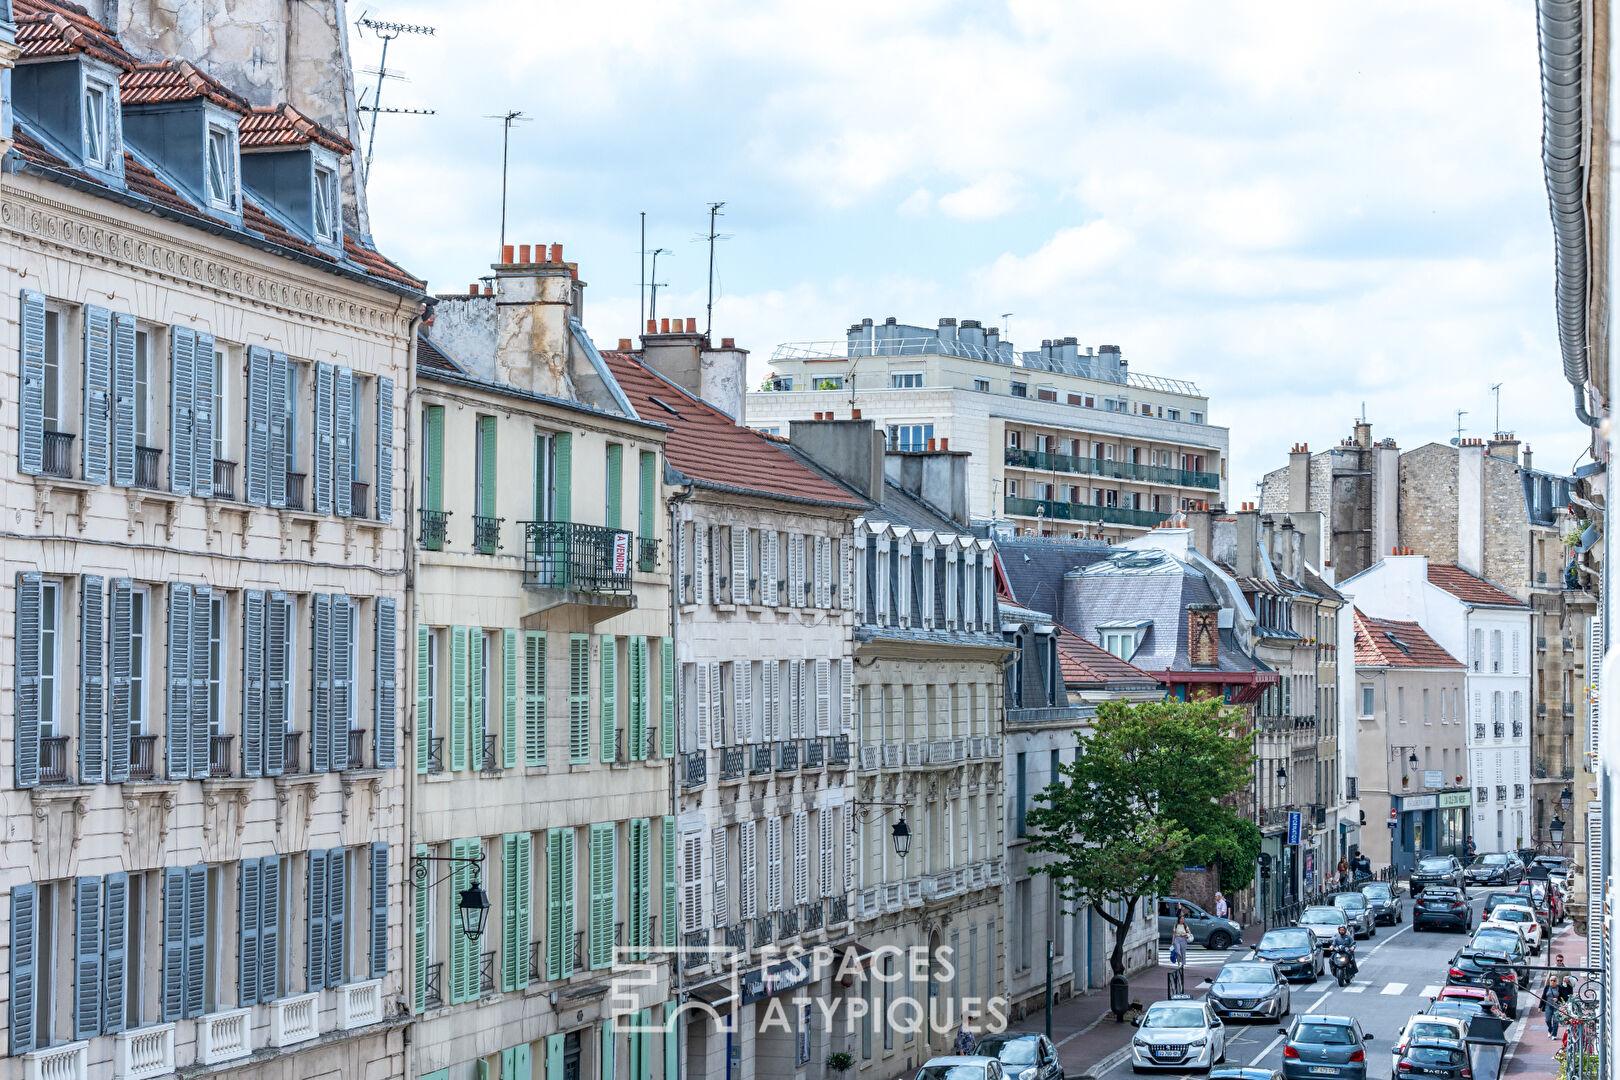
1249,989
1440,1058
1323,921
1521,918
1442,905
1507,946
1024,1055
1385,900
956,1067
1557,866
1463,1010
1492,899
1295,950
1494,868
1180,1034
1208,930
1423,1026
1317,1046
1363,923
1475,997
1486,971
1436,870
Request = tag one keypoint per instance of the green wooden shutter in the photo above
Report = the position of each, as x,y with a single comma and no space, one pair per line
603,877
562,476
522,1069
554,1057
486,466
667,719
579,698
608,696
615,485
463,950
554,938
640,885
509,698
671,888
422,942
638,698
458,696
534,697
566,883
672,1045
647,526
511,944
476,664
422,730
608,1042
433,466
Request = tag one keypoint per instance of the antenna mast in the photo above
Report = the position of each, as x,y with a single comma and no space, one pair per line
652,312
387,31
507,120
714,212
1496,390
1460,414
641,326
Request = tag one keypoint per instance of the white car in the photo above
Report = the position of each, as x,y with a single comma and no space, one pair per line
1180,1034
956,1067
1324,922
1522,918
1424,1026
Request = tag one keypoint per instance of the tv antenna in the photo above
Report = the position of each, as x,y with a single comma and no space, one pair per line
1458,440
1006,326
387,32
711,237
1496,391
507,119
641,326
654,283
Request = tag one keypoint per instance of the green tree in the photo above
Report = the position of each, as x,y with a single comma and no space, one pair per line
1149,792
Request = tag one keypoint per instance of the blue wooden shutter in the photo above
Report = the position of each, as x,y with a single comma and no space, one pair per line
31,409
98,399
379,910
115,951
121,605
196,937
315,905
253,727
256,467
92,680
277,670
177,729
276,420
385,449
385,724
320,721
28,679
269,927
202,620
24,930
248,911
343,414
174,942
123,426
182,407
323,439
202,426
86,957
342,679
337,891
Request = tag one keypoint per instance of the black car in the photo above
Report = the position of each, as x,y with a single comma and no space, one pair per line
1488,971
1434,870
1433,1057
1445,906
1385,900
1296,952
1496,868
1025,1055
1503,897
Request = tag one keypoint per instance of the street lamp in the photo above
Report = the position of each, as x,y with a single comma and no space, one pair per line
899,831
473,901
474,907
902,837
1566,797
1555,829
1282,778
1411,760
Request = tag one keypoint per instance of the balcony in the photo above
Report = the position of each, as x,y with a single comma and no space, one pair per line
646,554
787,924
537,961
813,915
1518,729
295,1019
433,994
787,757
737,937
1569,710
359,499
289,751
295,490
1518,791
490,761
763,760
142,757
1501,793
430,535
1499,730
361,1003
224,479
696,943
1482,794
357,749
694,768
1118,470
1351,789
1051,510
838,911
224,1036
764,930
144,1053
486,972
486,534
58,459
219,755
815,754
1569,643
592,560
53,759
733,762
1541,708
148,468
1479,732
70,1061
1539,770
838,752
1048,714
1541,642
435,762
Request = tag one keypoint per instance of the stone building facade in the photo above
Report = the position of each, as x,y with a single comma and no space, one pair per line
204,583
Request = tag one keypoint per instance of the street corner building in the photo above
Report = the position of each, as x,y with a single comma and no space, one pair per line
204,574
544,692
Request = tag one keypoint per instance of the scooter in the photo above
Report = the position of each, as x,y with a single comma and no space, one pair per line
1344,965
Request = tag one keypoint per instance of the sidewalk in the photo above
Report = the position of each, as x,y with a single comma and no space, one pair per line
1533,1051
1084,1028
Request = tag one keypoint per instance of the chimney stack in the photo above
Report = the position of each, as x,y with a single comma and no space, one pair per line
532,312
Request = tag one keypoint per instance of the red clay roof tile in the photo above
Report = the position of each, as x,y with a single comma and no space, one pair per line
283,125
177,80
54,28
1470,588
1082,661
1379,643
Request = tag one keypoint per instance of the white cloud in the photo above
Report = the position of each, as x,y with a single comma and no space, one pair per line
916,204
985,198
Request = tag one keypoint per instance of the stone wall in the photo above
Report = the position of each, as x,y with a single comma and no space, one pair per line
1428,502
1507,527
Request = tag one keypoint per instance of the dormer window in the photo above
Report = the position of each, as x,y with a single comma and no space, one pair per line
222,150
328,216
98,140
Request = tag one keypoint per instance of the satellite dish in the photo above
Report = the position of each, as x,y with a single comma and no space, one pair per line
1456,442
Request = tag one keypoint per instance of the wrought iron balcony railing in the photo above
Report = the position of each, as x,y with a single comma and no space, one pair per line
53,759
148,467
584,558
732,761
764,930
486,534
694,768
219,755
433,994
142,757
431,535
224,479
436,754
359,499
492,753
1119,470
295,490
646,554
762,759
486,972
787,759
1052,510
58,459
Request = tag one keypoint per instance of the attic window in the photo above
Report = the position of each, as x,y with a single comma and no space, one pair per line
222,188
327,218
98,138
1122,643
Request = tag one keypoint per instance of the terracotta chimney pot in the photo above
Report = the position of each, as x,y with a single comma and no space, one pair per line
472,290
506,254
624,344
523,253
556,253
691,326
728,343
663,326
855,414
652,326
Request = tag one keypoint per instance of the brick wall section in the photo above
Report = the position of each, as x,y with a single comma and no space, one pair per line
1428,502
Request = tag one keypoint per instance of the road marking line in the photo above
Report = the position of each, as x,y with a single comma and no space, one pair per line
1394,988
1314,988
1319,1002
1357,988
1374,950
1431,991
1270,1046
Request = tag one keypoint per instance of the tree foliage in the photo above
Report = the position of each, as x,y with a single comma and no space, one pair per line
1147,794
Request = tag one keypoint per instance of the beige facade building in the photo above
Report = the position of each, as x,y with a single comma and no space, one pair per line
542,697
205,559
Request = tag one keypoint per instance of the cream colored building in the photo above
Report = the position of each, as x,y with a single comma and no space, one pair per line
543,698
205,556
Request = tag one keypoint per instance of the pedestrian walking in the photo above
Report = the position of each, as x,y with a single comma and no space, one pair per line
1344,871
966,1042
1222,910
1180,938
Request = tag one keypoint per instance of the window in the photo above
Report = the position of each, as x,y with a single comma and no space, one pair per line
1366,700
1196,417
1122,643
328,213
982,385
830,382
907,380
50,628
221,399
98,121
1020,389
222,166
53,371
1022,788
1046,394
292,418
143,387
1172,414
910,436
216,665
138,601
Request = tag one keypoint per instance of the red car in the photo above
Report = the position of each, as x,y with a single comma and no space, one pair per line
1487,998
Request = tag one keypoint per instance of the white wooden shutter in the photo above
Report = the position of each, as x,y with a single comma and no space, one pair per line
1594,674
717,705
747,895
700,564
801,856
795,584
739,564
846,698
770,559
823,697
795,675
1595,882
846,576
851,859
702,695
692,882
742,680
826,870
722,902
773,864
767,672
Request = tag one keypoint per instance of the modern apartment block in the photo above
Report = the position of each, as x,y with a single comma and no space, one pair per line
543,695
764,839
204,581
1063,443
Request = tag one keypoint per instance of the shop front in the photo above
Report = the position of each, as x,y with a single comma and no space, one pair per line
1431,825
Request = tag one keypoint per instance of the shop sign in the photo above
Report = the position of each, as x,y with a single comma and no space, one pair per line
1450,799
1418,802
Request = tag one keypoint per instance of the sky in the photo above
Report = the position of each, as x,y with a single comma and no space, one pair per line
1306,209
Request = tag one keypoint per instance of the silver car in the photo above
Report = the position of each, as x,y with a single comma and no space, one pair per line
1363,920
1180,1034
1324,921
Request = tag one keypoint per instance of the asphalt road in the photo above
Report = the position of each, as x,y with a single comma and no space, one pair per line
1399,972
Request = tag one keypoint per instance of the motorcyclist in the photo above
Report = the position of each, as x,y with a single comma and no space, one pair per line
1346,941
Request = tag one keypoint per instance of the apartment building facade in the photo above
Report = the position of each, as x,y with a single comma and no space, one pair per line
204,579
543,694
1063,443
